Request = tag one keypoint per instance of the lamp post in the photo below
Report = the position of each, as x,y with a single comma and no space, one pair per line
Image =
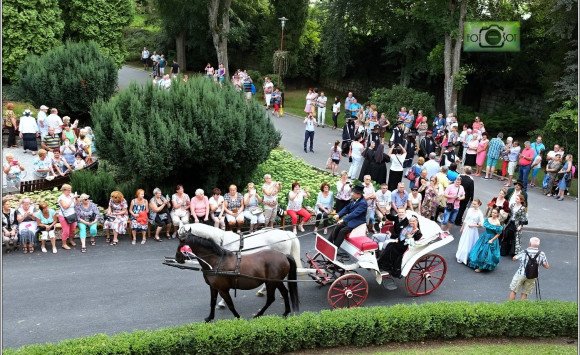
283,23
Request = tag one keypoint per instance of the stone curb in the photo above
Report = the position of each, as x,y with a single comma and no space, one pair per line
551,231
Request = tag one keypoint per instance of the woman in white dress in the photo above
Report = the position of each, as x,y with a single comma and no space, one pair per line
469,231
356,158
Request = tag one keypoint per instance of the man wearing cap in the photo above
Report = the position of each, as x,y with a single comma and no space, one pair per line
41,120
28,132
355,212
427,145
398,132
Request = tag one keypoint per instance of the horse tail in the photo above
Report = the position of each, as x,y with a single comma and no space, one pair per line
295,249
293,286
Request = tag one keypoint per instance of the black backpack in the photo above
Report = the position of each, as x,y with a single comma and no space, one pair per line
531,269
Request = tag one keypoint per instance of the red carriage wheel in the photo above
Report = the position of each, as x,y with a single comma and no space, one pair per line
426,275
348,291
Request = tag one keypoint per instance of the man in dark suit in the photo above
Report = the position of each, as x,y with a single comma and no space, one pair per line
355,211
427,145
468,186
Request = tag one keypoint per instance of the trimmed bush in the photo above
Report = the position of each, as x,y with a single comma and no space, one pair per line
29,27
196,133
391,100
69,77
347,327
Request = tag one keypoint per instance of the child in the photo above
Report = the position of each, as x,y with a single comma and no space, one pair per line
79,162
335,158
519,282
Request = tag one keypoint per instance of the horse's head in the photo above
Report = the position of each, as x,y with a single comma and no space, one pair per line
179,254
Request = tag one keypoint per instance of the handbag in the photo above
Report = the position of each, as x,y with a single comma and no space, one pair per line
329,163
411,174
71,218
257,211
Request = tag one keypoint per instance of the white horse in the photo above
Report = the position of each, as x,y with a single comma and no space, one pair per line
285,242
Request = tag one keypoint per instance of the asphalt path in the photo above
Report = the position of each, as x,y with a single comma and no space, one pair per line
51,297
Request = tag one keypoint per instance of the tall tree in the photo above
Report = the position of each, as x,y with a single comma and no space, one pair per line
101,21
219,25
29,27
452,54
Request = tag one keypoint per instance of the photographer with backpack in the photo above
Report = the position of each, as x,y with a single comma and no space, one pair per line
526,277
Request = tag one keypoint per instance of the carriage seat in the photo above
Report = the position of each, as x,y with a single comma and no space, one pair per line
359,239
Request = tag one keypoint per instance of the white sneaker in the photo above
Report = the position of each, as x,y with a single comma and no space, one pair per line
54,250
43,249
134,242
143,241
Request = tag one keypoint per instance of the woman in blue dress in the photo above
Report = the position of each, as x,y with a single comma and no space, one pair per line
485,253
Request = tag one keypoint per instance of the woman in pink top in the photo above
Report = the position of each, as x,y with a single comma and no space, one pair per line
476,124
481,152
199,206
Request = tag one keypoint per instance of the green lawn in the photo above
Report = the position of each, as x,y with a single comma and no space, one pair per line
295,100
487,349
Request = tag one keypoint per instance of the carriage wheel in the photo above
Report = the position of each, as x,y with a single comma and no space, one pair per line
426,275
348,291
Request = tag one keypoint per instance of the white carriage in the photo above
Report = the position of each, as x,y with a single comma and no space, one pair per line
423,270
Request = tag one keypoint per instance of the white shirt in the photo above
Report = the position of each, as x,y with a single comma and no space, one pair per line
145,54
397,161
432,168
28,125
321,101
268,87
336,107
383,199
357,149
42,125
310,124
71,209
219,203
54,121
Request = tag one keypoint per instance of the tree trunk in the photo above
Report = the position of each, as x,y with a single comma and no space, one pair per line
452,57
219,24
180,50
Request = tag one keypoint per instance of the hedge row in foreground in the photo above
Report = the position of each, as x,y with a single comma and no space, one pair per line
358,327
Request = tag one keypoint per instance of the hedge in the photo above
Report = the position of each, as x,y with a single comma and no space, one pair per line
359,327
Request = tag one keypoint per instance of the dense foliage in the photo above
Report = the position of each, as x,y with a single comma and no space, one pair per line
391,100
70,77
287,169
348,327
562,128
101,21
29,27
196,133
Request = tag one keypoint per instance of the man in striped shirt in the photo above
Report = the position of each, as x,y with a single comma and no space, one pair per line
51,141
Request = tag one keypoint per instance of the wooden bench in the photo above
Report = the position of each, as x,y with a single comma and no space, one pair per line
44,184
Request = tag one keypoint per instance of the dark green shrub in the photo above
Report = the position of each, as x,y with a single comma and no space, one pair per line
197,134
348,327
98,185
69,77
391,100
29,27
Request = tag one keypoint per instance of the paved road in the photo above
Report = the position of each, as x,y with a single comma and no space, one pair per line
48,297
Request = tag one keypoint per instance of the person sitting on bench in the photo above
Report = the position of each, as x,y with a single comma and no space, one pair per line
355,212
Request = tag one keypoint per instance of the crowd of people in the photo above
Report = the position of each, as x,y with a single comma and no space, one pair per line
63,146
158,63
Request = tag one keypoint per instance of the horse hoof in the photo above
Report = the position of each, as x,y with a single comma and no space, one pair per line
208,319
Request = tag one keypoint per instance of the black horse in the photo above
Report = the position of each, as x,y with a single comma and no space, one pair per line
223,271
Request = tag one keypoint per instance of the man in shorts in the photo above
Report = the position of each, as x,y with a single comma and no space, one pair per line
145,58
496,146
519,282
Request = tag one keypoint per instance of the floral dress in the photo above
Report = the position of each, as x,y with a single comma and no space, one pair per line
137,208
117,223
485,256
511,237
430,203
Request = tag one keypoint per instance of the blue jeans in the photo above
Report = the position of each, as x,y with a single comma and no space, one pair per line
308,135
83,230
449,216
524,172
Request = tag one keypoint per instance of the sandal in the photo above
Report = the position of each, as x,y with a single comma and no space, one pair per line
107,240
73,243
157,239
93,243
31,250
83,250
25,249
113,243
